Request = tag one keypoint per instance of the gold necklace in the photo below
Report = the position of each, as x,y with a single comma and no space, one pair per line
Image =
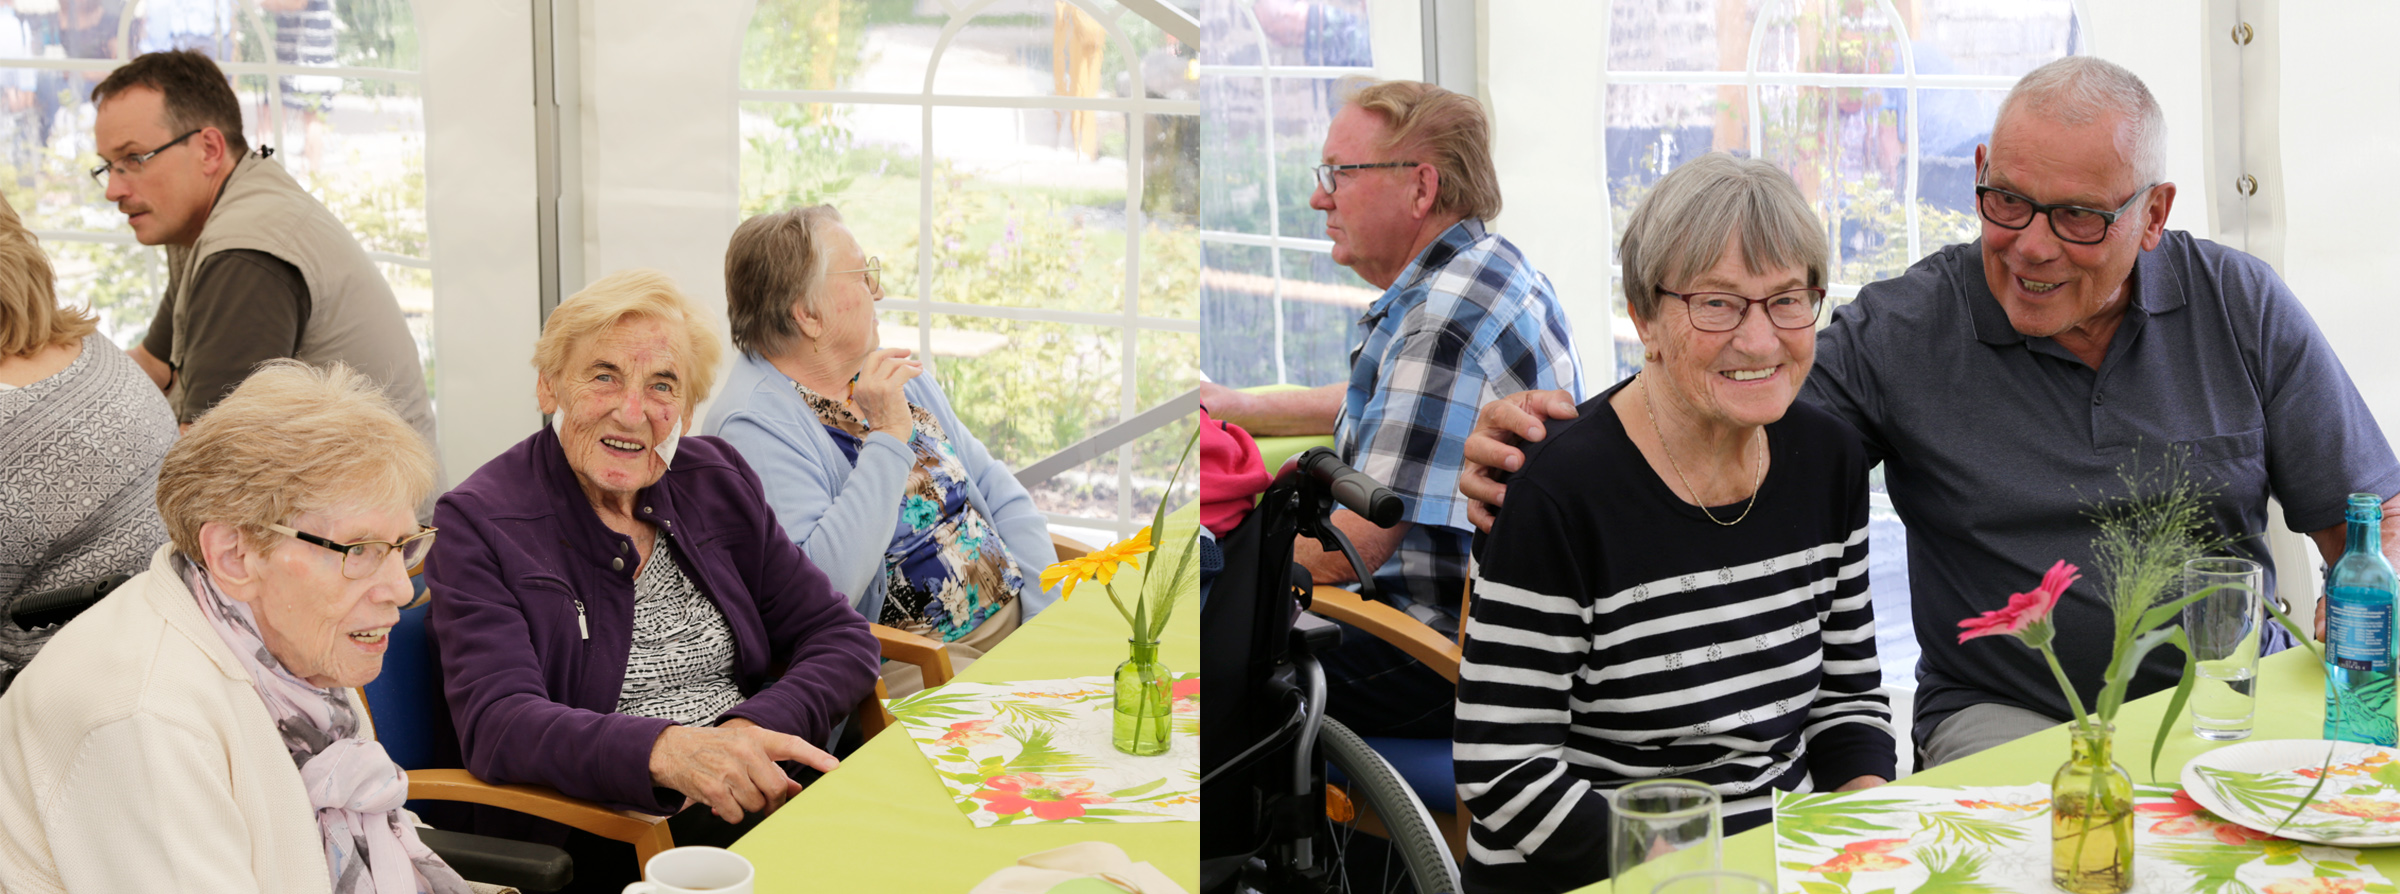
1687,483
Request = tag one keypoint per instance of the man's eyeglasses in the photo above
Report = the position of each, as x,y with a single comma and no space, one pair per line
2070,223
132,164
874,272
1723,311
1325,172
361,559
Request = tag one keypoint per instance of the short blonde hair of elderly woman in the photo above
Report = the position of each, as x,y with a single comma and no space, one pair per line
293,439
30,317
776,261
640,292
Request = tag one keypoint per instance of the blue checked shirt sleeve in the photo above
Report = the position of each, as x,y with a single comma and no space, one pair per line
1489,325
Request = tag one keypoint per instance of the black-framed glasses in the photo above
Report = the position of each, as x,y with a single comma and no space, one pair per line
1723,311
1325,172
132,164
2070,223
874,272
361,559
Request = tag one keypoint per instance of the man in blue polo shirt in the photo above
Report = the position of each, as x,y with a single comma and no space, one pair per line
2002,384
1406,189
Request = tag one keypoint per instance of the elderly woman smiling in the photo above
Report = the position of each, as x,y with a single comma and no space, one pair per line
617,613
864,461
197,730
1677,585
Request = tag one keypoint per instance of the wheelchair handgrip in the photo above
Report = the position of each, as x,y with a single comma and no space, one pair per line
1349,487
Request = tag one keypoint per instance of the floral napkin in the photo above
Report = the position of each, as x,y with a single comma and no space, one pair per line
1038,751
1992,839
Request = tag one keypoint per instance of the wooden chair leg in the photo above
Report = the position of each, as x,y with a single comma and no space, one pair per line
659,838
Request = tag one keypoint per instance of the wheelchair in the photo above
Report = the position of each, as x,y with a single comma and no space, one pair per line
1292,800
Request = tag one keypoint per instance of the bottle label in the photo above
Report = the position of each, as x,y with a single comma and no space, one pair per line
2358,631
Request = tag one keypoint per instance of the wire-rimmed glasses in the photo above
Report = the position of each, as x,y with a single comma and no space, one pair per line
1325,172
2070,223
361,559
1723,311
132,164
874,272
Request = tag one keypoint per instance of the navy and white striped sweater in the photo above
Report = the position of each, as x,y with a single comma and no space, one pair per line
1617,635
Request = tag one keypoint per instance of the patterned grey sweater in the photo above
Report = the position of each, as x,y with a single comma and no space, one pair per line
79,456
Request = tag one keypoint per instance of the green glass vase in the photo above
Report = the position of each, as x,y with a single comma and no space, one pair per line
2091,818
1145,702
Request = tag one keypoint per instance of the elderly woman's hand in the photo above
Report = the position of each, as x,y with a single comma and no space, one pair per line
732,768
878,393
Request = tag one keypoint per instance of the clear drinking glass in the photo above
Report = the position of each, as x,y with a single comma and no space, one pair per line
1714,881
1663,828
2223,630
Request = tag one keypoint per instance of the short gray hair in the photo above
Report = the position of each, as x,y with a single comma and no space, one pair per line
1678,232
291,440
773,262
2079,90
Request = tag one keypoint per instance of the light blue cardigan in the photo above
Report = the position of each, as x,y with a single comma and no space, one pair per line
843,517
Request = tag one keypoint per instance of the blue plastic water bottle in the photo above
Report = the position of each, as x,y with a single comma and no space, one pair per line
2360,596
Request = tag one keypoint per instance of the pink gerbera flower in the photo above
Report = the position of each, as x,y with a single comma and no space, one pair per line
2028,614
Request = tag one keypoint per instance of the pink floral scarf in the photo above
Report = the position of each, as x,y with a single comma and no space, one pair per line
370,843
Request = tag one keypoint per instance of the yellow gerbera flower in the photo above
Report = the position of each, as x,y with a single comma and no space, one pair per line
1100,564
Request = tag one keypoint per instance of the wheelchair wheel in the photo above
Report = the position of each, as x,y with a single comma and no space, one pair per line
1415,856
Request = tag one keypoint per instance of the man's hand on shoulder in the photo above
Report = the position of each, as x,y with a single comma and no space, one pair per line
1492,445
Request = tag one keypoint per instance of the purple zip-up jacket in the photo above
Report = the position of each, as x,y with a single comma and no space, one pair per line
523,568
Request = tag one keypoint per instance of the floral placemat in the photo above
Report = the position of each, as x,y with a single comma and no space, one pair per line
1038,751
1994,839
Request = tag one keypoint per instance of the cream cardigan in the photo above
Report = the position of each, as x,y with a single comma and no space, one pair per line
135,756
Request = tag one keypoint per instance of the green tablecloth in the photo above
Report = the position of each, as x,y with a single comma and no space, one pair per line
882,822
2291,705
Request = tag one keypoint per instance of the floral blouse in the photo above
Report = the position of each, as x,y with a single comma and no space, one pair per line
946,570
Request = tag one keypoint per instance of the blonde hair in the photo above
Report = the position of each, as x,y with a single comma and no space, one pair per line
30,318
1449,131
1679,230
292,439
773,262
612,299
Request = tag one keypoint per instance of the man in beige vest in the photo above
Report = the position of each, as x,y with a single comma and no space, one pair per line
256,267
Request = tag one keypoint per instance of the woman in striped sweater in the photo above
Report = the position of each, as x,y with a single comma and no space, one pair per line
1698,607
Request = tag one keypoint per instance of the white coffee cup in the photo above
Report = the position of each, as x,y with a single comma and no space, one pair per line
694,870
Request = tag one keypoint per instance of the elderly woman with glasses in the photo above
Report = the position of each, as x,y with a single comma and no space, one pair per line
198,729
1677,585
864,462
618,615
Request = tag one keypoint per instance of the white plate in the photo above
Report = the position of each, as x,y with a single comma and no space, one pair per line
2255,784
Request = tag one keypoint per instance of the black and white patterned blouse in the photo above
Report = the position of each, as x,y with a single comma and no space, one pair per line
681,664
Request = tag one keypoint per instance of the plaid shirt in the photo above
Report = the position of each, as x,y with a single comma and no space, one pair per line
1466,322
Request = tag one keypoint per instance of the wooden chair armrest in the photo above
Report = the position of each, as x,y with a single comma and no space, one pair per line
1068,547
901,645
1390,625
647,833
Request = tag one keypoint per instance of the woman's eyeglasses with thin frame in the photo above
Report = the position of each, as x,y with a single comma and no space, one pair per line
874,272
1723,311
361,559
